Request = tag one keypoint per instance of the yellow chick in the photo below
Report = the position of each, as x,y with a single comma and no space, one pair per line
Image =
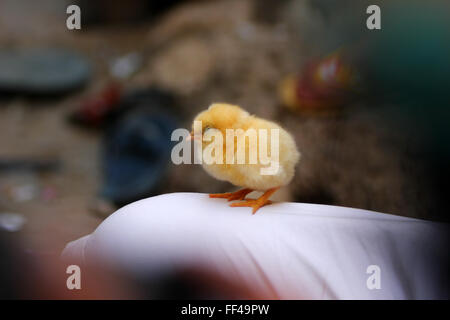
275,150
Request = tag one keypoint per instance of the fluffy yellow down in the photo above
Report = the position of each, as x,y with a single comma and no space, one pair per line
222,116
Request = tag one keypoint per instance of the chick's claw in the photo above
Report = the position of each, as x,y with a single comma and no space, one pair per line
238,195
254,203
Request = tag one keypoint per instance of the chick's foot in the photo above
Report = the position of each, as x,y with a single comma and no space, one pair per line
256,203
238,195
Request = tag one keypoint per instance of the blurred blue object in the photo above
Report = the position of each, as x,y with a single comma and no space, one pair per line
42,71
137,148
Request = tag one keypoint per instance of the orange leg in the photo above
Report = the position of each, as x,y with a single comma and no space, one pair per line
238,195
256,203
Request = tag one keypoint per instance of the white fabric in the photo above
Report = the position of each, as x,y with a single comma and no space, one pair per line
286,250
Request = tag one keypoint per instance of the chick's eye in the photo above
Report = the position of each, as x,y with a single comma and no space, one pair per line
206,128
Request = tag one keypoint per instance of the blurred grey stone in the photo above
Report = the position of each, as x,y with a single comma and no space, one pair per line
42,71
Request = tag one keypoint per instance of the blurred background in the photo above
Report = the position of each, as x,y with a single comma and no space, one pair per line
86,115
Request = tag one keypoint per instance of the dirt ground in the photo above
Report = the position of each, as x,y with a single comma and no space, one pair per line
204,51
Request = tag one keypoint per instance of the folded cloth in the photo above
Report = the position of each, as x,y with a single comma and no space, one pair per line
285,250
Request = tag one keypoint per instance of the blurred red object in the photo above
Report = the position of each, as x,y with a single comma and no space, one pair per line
93,110
322,87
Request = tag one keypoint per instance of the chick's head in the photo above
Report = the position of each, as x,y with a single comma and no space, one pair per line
219,116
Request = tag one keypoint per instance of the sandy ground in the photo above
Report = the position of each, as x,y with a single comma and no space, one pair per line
204,52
